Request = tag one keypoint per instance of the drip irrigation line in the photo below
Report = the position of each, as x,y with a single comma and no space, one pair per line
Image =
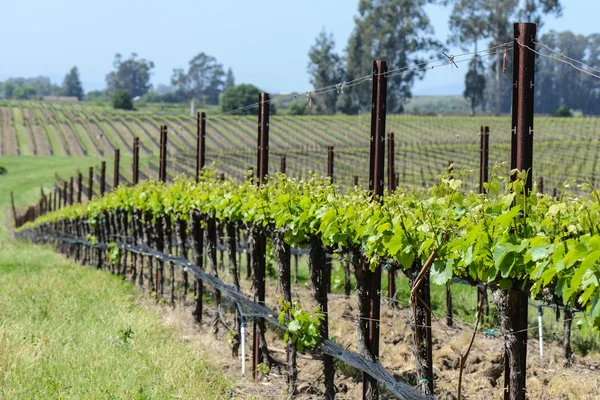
372,367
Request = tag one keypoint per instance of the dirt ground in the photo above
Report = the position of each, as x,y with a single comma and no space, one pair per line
482,378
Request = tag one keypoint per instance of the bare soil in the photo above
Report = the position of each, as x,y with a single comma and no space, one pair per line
482,378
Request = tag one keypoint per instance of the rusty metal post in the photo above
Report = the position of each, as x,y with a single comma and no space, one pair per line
391,170
91,184
376,185
135,179
522,160
200,143
330,156
116,169
71,191
541,184
484,157
162,171
355,180
282,165
522,99
102,178
79,187
327,272
262,169
65,193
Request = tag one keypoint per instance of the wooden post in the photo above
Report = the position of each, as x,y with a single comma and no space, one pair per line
116,168
200,143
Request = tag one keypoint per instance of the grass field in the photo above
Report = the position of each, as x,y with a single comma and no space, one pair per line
70,332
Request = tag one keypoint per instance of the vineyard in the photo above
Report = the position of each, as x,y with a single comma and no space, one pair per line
424,145
487,206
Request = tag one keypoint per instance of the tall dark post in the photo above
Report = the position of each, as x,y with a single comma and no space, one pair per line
262,170
136,161
102,178
355,180
162,168
513,303
330,156
65,194
50,197
482,296
71,191
282,165
540,184
116,168
327,272
56,202
79,187
200,143
484,156
376,185
91,184
391,176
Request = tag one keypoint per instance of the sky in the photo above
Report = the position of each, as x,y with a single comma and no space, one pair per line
265,42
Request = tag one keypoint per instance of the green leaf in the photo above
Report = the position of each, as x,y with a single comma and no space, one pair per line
293,326
540,252
441,272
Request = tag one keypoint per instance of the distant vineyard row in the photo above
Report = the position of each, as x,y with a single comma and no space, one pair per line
567,148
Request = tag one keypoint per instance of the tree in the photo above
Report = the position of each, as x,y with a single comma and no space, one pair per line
467,25
229,79
122,100
474,84
559,84
493,19
240,96
24,92
395,30
204,79
325,70
72,84
132,75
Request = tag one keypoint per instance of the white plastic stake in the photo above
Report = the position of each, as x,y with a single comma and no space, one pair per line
541,334
243,333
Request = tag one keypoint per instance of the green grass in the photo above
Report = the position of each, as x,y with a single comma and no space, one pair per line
72,332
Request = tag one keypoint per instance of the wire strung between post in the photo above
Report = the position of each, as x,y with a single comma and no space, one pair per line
338,87
562,55
561,60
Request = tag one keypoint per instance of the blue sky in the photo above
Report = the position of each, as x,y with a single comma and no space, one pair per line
265,42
